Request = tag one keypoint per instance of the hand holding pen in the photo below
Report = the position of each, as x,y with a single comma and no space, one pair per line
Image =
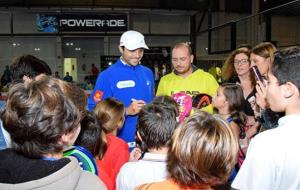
135,107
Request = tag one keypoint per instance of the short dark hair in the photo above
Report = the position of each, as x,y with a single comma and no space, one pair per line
156,125
37,115
92,136
30,66
203,150
168,102
286,66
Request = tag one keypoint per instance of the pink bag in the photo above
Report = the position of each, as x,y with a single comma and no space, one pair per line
184,102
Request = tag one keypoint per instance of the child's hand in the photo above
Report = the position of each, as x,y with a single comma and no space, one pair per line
135,154
253,130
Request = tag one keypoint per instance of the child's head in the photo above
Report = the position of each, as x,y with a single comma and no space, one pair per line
40,119
72,91
28,66
229,97
284,79
111,114
204,150
167,101
92,136
156,124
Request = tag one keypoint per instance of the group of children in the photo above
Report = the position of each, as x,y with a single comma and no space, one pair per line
45,115
163,149
42,119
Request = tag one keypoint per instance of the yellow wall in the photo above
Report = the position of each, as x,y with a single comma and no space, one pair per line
70,65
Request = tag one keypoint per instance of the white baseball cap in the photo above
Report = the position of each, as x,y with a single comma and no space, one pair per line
133,40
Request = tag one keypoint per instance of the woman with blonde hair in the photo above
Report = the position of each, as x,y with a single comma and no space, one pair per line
202,154
262,56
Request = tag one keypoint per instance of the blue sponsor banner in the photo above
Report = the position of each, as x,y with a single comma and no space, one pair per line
47,23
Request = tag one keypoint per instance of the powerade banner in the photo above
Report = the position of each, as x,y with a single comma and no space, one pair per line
82,23
92,23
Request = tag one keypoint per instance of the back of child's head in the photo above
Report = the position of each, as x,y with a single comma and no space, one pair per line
110,114
76,94
167,101
286,66
156,124
73,92
37,114
92,136
30,66
204,150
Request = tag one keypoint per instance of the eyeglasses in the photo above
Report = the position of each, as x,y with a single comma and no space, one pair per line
242,61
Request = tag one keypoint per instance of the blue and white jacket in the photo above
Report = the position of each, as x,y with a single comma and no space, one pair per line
124,82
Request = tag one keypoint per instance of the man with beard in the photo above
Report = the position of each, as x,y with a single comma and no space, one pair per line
187,78
128,81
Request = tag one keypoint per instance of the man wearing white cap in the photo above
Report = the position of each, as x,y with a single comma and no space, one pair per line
127,81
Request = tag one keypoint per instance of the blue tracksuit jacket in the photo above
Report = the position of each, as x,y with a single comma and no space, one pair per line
124,82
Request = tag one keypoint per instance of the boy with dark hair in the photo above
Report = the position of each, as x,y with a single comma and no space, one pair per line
202,154
272,160
28,67
155,127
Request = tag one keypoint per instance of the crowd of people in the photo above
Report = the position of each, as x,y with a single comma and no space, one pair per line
191,133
